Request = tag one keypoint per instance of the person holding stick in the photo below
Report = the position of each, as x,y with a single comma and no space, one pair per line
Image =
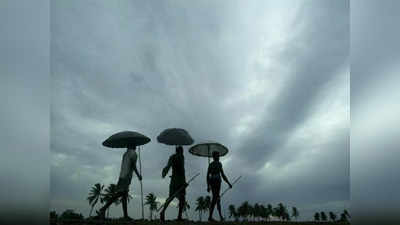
128,165
177,162
214,174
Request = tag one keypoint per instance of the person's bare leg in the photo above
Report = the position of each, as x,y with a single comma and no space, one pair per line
219,209
103,209
162,213
125,205
213,202
181,205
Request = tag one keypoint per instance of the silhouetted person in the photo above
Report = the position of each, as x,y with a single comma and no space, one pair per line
178,180
125,177
214,174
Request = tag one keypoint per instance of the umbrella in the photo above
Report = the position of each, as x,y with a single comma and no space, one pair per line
175,136
206,149
123,140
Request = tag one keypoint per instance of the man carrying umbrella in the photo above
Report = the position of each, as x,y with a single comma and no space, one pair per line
178,180
128,165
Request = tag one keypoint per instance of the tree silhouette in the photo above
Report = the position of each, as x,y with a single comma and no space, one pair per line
295,212
95,194
207,202
281,211
233,213
332,216
323,216
70,214
270,210
251,212
53,215
200,206
346,213
243,210
151,200
109,193
316,216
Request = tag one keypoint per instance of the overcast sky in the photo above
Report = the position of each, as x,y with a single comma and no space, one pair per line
268,79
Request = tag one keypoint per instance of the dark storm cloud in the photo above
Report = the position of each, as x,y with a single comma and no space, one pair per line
204,67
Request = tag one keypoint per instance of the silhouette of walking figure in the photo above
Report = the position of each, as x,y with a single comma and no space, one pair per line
177,162
214,174
128,165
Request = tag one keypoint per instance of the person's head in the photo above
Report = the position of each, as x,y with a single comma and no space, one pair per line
215,156
179,150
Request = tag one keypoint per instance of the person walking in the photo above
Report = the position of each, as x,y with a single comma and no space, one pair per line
128,165
214,174
178,182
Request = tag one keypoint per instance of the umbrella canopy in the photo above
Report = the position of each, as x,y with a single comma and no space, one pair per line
207,148
125,138
175,136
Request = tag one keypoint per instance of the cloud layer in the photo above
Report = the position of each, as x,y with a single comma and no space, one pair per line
268,79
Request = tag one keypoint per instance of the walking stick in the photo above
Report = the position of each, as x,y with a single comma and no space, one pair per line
141,184
237,179
177,192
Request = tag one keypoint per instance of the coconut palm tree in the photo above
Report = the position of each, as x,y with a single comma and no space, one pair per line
270,211
295,212
316,216
257,211
243,210
207,203
332,216
200,205
323,216
346,213
151,200
110,192
281,211
95,195
232,212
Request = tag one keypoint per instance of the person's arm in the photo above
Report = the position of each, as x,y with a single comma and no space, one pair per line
167,167
225,178
135,169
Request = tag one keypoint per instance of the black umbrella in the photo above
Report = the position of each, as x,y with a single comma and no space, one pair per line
175,136
124,139
206,149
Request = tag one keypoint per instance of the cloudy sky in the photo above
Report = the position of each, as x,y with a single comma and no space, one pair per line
268,79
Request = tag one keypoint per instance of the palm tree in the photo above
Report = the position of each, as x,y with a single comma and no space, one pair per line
110,192
295,212
281,210
270,211
232,212
316,216
200,205
346,213
251,211
323,216
207,203
257,211
243,210
151,200
332,216
95,195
